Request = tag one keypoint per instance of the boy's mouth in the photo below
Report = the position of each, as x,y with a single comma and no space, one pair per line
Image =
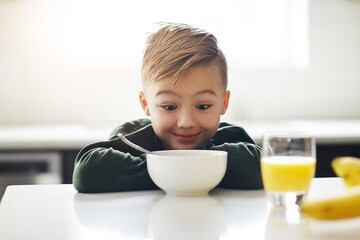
188,138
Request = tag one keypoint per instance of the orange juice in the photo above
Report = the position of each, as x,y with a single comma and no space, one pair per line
287,173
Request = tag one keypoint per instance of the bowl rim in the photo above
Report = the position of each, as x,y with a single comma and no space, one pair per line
207,152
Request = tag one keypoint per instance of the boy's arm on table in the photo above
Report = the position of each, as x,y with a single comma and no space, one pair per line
104,169
243,166
101,167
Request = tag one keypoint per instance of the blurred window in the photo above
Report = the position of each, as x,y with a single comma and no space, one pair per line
254,34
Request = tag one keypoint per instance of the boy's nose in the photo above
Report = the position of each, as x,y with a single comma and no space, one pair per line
186,120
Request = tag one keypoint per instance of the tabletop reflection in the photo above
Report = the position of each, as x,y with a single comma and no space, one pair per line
121,214
289,223
187,218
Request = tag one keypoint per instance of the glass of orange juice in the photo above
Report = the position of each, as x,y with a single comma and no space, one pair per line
287,166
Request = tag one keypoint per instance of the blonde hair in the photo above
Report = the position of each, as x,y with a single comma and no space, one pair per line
175,48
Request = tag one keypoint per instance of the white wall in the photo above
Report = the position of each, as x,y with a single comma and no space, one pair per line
328,88
38,85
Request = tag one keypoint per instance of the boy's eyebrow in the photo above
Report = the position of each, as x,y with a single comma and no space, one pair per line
169,92
166,92
209,91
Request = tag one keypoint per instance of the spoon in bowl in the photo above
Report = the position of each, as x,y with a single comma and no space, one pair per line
131,144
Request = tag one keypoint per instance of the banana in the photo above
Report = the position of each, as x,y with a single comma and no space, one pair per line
346,205
348,168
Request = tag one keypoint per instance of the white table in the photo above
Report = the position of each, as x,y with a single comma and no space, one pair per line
51,212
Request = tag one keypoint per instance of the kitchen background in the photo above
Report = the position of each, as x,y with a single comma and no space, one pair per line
66,64
79,61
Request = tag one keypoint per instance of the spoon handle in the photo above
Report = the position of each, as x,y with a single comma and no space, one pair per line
133,145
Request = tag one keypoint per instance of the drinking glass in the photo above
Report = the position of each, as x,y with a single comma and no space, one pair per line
288,162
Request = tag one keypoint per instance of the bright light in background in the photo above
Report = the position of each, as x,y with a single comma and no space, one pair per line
52,47
102,33
254,34
274,35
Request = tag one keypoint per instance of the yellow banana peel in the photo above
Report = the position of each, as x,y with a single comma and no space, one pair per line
346,205
348,168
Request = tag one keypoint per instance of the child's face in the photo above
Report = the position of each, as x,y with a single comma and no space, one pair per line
187,114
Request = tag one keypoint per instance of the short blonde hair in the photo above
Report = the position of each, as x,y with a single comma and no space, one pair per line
175,48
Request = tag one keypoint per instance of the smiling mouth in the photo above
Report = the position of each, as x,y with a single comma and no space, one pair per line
186,138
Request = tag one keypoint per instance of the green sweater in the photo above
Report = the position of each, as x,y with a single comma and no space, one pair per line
111,166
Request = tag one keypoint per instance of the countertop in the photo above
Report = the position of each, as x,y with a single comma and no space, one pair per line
58,212
76,136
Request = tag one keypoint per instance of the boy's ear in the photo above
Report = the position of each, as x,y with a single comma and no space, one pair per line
144,103
225,102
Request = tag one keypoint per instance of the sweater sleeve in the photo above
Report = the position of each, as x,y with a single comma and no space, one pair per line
102,169
243,167
112,166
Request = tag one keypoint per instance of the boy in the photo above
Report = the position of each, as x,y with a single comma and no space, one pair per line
184,77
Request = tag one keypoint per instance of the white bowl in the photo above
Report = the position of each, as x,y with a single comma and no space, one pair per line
187,172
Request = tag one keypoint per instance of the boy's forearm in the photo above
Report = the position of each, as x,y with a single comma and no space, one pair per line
109,170
243,168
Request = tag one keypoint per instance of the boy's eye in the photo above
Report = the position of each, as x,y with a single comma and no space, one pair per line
203,106
169,107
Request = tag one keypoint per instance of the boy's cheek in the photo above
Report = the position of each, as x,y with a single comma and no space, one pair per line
161,122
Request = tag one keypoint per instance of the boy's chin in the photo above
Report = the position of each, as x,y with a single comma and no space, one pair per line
182,146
